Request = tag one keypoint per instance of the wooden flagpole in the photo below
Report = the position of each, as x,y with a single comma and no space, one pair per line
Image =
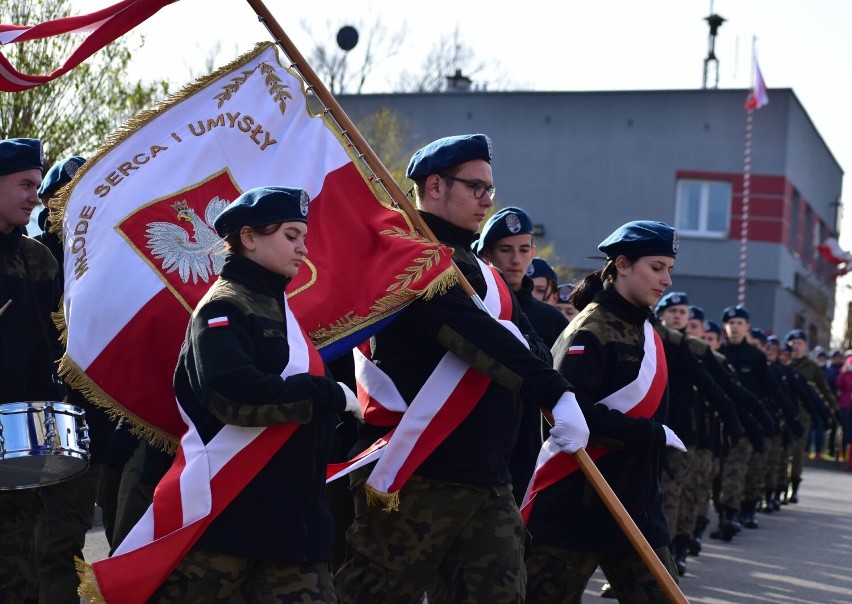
369,157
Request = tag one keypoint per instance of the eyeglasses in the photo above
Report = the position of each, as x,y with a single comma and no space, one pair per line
479,188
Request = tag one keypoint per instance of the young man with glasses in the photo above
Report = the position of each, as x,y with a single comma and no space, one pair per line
455,521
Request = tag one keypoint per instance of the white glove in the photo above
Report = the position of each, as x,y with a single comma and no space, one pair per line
352,404
569,430
672,439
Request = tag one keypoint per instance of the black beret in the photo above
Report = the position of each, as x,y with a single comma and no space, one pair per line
672,299
19,154
447,152
59,175
735,312
696,312
796,334
641,238
505,223
713,327
263,205
758,334
540,268
772,341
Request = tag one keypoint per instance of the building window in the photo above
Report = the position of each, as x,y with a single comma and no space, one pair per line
703,207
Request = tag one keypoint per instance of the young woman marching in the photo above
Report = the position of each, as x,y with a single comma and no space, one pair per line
615,362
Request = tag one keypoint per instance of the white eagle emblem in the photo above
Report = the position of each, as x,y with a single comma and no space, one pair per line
196,256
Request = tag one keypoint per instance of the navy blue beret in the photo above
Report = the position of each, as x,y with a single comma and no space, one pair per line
504,223
672,299
796,334
59,175
447,152
713,327
735,312
696,312
641,238
758,334
772,340
819,351
540,268
19,154
564,291
261,206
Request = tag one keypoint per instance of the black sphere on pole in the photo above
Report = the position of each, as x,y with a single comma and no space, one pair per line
347,37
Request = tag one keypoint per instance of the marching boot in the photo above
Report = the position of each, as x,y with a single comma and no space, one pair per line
726,529
748,510
781,494
681,543
794,496
701,523
767,502
776,500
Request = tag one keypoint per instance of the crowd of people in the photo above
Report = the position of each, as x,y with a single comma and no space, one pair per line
696,424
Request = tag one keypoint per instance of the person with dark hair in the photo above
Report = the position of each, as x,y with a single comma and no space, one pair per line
606,352
245,364
563,301
545,281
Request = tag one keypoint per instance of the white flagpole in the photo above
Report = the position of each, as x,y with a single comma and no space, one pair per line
741,284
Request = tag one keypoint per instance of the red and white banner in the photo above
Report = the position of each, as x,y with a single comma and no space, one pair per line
443,402
105,25
757,96
141,251
201,483
639,398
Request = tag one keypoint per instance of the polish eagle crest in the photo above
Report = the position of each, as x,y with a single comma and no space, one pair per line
196,255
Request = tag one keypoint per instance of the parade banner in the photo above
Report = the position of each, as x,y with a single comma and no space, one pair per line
141,251
105,25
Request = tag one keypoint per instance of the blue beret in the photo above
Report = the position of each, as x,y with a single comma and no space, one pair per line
447,152
564,291
540,268
696,312
713,327
735,312
772,340
672,299
819,351
505,223
641,238
758,334
261,206
796,334
59,175
19,154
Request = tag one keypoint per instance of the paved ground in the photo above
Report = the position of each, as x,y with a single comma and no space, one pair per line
802,554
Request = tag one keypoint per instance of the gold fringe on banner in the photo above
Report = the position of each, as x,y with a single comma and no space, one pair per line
58,318
78,380
388,502
88,590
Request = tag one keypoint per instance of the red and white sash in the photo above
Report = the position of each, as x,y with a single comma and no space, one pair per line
201,482
443,402
639,398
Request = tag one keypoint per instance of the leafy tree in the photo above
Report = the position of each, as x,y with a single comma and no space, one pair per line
73,114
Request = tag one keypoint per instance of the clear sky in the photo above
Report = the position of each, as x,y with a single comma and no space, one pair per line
560,45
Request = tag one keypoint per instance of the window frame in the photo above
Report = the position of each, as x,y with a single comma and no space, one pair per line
704,209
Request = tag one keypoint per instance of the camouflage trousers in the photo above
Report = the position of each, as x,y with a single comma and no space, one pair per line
782,477
753,489
797,446
680,464
559,576
469,539
19,511
732,477
695,495
203,577
774,448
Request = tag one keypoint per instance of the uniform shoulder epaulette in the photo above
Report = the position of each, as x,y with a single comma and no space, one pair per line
697,345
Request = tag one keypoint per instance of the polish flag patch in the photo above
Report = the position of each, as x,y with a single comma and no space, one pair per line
576,350
218,322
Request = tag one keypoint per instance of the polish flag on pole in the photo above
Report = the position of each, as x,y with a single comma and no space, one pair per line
757,96
105,25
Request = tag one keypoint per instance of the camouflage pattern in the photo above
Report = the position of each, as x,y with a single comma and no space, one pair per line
773,447
732,478
695,494
559,576
680,464
470,537
204,577
797,446
782,477
18,513
753,490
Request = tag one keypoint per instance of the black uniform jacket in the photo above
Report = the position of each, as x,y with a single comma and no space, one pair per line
232,375
547,320
409,348
570,514
29,347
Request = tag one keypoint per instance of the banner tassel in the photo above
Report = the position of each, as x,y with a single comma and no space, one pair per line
88,590
389,502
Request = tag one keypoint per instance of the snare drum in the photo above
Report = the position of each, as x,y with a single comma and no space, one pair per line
41,443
